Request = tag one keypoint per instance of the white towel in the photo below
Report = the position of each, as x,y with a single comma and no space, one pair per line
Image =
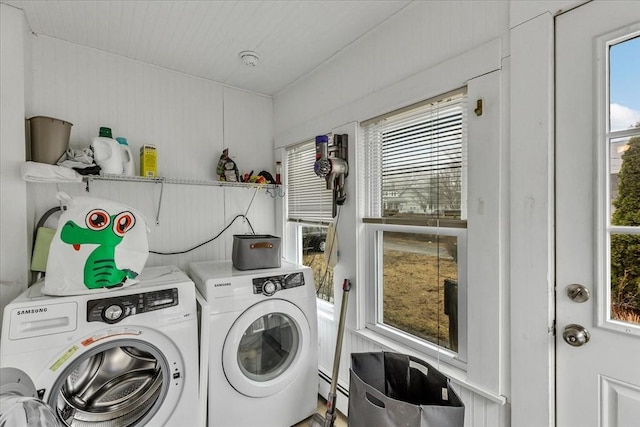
77,158
43,172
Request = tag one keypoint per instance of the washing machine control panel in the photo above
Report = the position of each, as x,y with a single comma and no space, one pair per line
270,285
113,310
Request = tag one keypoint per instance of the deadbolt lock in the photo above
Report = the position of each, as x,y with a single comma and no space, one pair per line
578,293
576,335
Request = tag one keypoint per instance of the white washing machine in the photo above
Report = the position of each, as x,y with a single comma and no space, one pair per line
128,357
262,344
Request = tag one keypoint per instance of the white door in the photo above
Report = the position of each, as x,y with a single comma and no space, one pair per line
598,251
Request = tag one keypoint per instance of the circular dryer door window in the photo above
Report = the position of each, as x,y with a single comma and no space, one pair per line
122,383
268,347
264,347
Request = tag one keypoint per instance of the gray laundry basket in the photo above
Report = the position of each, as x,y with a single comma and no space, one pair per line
391,389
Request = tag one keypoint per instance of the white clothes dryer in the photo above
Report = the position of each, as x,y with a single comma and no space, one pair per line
262,343
128,357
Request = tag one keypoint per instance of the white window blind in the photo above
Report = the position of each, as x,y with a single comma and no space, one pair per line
415,160
307,196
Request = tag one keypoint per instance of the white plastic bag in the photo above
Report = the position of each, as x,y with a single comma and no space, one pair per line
99,244
25,411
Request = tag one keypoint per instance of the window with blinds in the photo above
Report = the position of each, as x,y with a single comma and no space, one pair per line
415,162
308,199
310,208
415,166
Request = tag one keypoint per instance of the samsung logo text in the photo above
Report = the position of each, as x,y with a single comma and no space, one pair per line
32,311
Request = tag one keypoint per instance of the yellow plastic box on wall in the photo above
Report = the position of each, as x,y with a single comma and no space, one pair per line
148,161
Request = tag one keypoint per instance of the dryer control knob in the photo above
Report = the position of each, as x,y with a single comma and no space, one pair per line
269,288
112,313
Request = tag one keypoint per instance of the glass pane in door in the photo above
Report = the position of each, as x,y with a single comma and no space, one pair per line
624,180
625,277
624,84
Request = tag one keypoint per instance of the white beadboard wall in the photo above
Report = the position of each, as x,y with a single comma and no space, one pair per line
189,119
422,35
13,201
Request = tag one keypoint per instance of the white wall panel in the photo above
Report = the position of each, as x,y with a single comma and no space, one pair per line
420,36
248,130
181,115
426,49
13,227
488,196
188,119
532,255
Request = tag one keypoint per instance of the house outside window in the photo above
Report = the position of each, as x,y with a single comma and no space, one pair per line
415,168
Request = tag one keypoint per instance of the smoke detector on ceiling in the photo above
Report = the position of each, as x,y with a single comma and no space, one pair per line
249,58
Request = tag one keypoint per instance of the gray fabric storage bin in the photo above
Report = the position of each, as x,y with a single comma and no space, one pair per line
391,389
255,251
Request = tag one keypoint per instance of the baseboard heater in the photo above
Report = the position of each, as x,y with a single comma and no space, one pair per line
326,378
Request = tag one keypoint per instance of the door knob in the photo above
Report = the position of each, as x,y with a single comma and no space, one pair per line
576,335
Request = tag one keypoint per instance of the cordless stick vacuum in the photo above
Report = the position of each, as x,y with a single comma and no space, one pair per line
330,416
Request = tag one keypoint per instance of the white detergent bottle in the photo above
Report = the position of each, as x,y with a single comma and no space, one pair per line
107,155
128,167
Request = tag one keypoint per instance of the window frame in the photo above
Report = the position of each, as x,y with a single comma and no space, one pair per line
488,223
294,226
603,208
373,242
374,226
409,115
485,71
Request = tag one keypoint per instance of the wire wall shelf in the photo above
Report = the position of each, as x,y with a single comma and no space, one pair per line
178,181
274,190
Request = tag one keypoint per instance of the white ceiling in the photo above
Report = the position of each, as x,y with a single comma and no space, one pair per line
204,38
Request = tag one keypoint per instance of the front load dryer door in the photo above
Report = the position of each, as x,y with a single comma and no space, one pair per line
117,377
266,347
